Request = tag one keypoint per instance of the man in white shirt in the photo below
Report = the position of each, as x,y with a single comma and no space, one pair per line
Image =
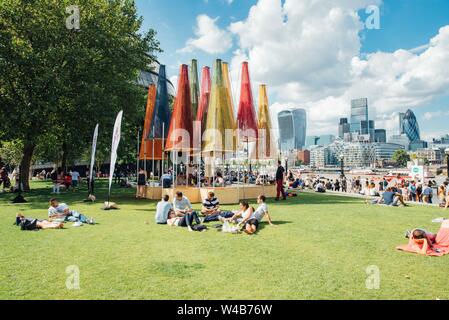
75,178
181,204
163,210
61,212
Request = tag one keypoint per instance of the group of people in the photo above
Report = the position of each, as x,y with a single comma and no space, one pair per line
58,214
66,180
181,214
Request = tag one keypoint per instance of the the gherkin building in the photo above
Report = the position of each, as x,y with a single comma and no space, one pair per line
410,126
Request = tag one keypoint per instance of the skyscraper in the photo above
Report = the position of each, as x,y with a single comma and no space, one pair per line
343,128
401,120
380,135
359,113
292,125
410,126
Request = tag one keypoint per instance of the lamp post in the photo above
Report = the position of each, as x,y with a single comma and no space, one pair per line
342,165
447,160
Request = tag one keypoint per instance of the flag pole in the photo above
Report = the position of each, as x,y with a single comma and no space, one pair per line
152,181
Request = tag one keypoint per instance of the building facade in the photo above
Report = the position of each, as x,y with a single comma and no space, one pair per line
292,124
359,115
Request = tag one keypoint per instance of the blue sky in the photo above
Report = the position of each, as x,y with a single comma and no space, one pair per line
405,24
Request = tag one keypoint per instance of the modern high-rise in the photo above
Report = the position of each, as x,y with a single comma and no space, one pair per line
359,115
292,125
380,135
343,128
401,121
410,126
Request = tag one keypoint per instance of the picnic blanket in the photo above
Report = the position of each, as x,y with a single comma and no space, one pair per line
440,248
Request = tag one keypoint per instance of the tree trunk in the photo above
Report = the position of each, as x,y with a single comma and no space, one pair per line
64,157
25,165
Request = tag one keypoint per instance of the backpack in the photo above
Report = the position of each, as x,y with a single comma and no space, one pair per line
199,227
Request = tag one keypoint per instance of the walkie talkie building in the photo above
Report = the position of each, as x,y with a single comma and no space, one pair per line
292,129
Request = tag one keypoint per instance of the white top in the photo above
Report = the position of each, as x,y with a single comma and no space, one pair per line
75,175
162,209
182,204
58,210
260,212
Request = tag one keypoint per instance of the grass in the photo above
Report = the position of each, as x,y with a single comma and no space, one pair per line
319,249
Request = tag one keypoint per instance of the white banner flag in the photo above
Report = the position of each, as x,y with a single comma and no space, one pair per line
115,142
92,159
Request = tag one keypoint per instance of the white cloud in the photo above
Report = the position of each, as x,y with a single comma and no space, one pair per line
436,114
309,55
208,37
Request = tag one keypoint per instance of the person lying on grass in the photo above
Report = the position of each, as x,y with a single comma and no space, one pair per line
36,224
60,212
177,219
252,223
390,198
426,243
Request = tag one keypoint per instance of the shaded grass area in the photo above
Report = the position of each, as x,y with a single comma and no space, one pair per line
319,249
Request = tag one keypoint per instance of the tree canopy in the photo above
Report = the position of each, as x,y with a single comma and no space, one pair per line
56,83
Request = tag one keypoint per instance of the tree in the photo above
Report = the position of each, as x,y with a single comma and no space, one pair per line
401,157
57,83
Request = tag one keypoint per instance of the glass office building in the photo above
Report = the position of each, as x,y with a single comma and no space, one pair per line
410,126
292,125
359,116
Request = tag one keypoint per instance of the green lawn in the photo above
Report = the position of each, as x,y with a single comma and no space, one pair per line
319,249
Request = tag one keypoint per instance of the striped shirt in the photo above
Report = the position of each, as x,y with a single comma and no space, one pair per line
210,203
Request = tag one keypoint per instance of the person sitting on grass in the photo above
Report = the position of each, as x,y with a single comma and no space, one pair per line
163,210
241,215
211,209
446,194
427,193
320,188
251,223
181,204
390,198
187,219
36,224
61,212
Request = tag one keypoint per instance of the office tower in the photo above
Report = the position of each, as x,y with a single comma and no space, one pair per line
380,135
292,125
343,128
410,126
359,113
401,120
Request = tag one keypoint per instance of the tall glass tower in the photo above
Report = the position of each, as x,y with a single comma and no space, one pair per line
359,116
292,129
410,126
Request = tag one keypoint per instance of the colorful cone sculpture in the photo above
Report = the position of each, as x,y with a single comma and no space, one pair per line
160,120
204,98
220,116
266,146
194,86
180,135
227,83
146,145
246,115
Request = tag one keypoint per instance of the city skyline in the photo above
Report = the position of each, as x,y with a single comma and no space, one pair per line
412,38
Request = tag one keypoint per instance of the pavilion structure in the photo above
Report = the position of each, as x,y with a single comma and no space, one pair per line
215,138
